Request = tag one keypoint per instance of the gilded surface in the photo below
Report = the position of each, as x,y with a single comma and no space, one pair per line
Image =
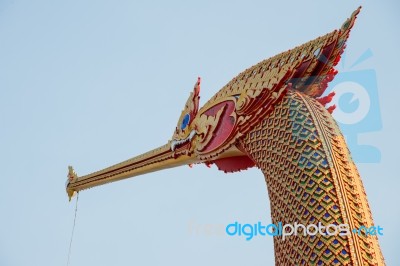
311,178
269,114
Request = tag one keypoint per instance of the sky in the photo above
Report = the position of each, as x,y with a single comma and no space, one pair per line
93,83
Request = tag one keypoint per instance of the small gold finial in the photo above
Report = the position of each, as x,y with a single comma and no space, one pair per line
72,176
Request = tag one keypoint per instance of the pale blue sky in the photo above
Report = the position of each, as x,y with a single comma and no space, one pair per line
92,83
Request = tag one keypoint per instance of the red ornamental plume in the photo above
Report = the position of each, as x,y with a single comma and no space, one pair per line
331,108
327,99
328,78
337,59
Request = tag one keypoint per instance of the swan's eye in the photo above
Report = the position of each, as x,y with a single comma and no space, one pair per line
185,121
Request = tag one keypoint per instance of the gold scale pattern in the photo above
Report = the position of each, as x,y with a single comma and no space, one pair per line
311,177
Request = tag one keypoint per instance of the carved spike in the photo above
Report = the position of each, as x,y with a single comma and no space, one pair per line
331,108
327,99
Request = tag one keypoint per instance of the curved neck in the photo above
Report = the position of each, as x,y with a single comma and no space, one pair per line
310,179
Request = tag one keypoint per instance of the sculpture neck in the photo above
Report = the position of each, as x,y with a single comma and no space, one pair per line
310,179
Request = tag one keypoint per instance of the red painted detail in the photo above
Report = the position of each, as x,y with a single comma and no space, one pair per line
234,164
327,99
331,108
328,78
224,127
301,69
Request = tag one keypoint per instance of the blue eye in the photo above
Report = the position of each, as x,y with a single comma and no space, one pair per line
185,121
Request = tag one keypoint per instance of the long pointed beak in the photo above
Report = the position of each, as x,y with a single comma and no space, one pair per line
161,158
